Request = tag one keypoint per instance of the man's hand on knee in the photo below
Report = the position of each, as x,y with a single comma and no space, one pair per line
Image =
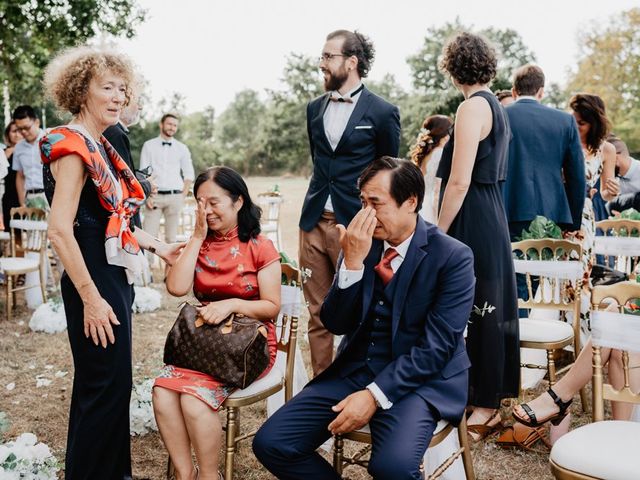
355,411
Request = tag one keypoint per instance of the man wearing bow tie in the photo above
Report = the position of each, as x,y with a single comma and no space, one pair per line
401,298
170,162
348,128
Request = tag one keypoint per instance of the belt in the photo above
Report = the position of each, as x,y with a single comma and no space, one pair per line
36,190
168,192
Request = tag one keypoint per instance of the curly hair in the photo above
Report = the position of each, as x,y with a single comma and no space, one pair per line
434,129
67,77
592,110
358,45
469,59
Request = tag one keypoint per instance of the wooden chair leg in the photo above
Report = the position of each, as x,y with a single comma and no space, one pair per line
551,368
232,413
9,287
338,446
467,461
43,283
583,391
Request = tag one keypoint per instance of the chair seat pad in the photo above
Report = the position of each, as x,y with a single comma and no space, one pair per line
601,449
439,427
9,264
271,379
544,331
5,236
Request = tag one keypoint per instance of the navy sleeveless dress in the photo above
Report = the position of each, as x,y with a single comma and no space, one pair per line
98,441
493,342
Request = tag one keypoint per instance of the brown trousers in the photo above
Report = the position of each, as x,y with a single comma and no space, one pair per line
319,250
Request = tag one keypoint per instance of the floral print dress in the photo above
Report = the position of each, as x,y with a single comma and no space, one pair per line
226,268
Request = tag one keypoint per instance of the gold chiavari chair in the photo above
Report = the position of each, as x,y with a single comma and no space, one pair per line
605,449
557,266
443,429
31,225
621,241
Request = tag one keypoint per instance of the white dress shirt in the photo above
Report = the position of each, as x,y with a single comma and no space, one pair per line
347,278
630,181
26,158
335,120
171,164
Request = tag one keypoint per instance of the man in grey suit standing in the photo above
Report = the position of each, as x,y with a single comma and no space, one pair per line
545,174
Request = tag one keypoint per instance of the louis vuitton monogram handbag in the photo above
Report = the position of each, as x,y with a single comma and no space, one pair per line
235,351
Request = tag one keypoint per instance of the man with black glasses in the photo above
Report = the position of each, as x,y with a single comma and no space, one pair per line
348,128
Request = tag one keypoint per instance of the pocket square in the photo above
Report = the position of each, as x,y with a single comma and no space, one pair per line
363,127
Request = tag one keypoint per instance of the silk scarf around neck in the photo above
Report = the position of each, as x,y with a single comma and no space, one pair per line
121,195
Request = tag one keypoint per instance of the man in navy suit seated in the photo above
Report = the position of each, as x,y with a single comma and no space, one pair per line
401,297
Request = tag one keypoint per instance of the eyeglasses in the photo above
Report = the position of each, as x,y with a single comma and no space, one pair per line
25,128
325,57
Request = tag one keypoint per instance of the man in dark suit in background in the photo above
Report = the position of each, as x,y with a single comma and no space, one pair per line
118,136
348,128
545,174
401,298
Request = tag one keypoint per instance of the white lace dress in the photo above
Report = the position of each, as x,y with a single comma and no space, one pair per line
429,210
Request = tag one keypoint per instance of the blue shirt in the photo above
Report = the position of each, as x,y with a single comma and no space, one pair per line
26,158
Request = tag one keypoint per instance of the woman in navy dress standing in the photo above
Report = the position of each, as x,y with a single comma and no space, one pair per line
472,168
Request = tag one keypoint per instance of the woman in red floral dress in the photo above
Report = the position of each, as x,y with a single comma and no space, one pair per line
233,269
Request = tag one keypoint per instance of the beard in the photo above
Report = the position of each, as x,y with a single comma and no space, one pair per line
335,80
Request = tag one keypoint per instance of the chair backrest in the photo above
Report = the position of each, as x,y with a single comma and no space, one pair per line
290,308
557,264
621,240
28,230
270,203
187,218
618,329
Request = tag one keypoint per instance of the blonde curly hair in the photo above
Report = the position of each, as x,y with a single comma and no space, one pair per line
67,77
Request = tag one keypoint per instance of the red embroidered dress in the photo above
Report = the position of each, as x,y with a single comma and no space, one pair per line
226,268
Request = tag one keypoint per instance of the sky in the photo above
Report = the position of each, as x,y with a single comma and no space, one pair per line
209,50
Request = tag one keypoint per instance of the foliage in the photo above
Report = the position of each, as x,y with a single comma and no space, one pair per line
434,85
541,227
31,32
608,66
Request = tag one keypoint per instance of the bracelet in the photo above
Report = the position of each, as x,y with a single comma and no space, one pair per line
152,249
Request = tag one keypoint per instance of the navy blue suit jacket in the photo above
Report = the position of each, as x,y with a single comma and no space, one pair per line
373,130
431,307
545,147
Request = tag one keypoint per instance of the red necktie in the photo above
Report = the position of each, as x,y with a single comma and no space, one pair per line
383,268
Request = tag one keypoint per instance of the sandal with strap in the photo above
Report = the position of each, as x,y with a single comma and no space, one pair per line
524,437
554,419
483,430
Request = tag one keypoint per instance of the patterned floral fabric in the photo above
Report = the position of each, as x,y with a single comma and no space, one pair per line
226,268
122,200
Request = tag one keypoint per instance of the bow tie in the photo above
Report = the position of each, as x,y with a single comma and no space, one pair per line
348,99
166,143
340,99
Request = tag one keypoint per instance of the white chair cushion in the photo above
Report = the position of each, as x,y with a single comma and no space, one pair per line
544,331
9,264
271,379
5,236
601,449
439,427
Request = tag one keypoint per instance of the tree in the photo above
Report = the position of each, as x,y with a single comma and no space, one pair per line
237,133
284,132
31,32
434,88
608,66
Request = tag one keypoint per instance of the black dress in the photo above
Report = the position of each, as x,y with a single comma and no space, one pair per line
492,336
98,442
10,198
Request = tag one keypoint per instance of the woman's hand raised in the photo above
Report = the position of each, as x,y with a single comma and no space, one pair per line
201,227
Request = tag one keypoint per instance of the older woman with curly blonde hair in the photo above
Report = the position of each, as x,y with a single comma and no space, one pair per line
93,194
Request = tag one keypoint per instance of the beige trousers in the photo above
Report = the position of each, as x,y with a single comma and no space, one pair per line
319,250
168,205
